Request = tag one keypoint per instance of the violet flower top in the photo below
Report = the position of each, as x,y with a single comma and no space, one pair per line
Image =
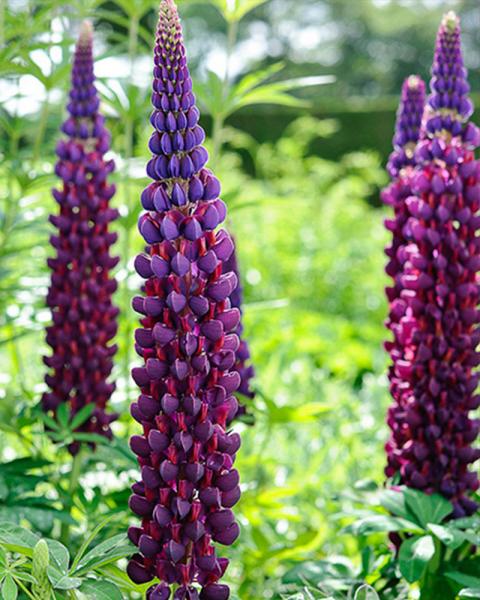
80,294
188,343
434,381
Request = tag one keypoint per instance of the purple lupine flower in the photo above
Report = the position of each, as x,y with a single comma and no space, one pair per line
400,169
188,343
80,294
433,380
242,366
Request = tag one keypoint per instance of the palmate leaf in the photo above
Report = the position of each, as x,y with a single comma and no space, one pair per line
86,543
427,508
234,10
253,88
96,560
381,523
82,415
393,500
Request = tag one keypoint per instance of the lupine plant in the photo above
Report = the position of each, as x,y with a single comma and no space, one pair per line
436,326
80,294
188,344
429,512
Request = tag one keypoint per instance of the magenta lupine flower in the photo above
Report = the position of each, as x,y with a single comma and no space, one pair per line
242,366
433,380
80,294
188,344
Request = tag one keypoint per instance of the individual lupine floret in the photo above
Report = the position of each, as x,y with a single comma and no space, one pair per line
431,445
242,366
188,344
80,294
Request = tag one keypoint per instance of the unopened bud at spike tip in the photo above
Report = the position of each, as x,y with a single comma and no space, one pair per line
85,36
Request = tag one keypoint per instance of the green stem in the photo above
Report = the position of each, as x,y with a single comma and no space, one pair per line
75,473
219,119
42,126
23,587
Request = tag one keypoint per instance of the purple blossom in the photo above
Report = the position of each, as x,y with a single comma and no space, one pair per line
80,293
435,329
400,169
188,344
242,366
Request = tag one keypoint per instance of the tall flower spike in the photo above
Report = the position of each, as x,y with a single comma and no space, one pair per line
80,293
400,168
188,343
242,366
433,380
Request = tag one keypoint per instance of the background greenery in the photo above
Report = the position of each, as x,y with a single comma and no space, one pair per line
300,158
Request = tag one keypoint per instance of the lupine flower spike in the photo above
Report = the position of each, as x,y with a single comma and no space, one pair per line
434,382
80,294
188,343
242,363
400,169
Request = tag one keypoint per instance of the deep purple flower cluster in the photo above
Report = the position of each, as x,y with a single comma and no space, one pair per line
188,343
436,320
80,294
400,168
242,362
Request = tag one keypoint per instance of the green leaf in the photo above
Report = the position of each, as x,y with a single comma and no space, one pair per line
9,588
63,415
94,438
463,579
82,415
62,582
394,502
452,538
366,592
88,541
414,555
377,523
17,539
234,10
94,562
427,508
100,590
59,555
469,593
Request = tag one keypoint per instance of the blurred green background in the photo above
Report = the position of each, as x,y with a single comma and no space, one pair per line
298,98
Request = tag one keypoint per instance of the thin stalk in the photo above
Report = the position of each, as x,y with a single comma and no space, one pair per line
23,587
75,473
42,127
219,119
